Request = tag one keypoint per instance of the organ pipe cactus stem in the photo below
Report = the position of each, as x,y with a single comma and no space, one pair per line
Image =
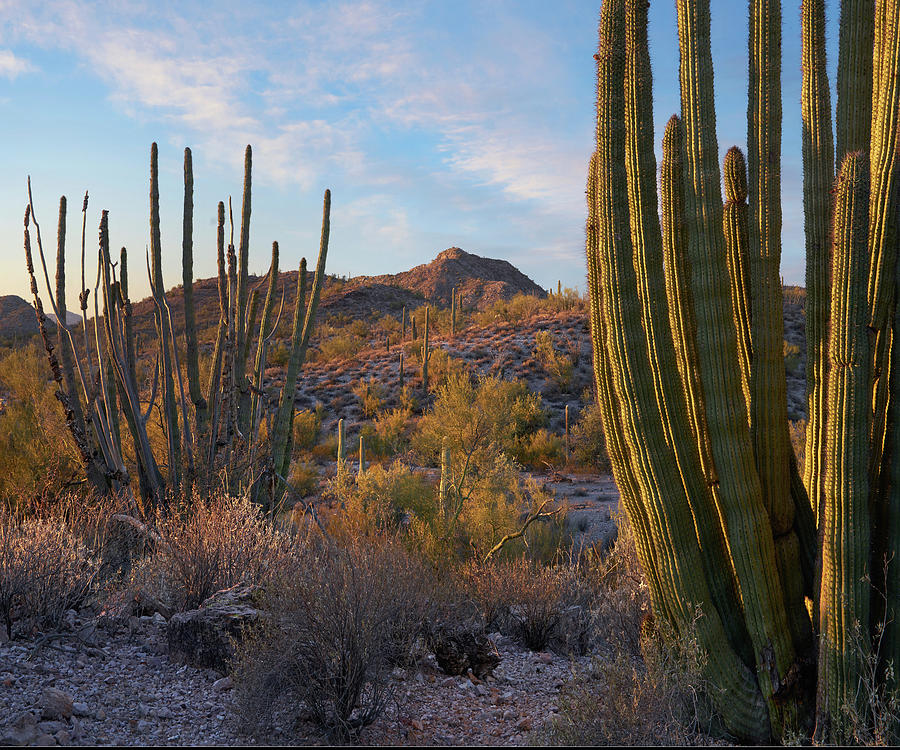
845,598
162,328
660,504
214,391
676,267
62,339
854,76
453,312
340,447
415,335
426,353
241,332
401,370
818,177
362,456
299,344
187,274
265,331
444,486
403,324
737,246
739,498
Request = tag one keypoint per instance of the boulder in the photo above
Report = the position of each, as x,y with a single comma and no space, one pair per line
55,704
21,730
204,637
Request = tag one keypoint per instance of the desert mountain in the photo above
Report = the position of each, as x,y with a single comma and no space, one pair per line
17,318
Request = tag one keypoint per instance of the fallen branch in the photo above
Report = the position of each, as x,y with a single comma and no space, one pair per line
539,513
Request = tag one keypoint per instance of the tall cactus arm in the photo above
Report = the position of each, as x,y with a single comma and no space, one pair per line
844,600
768,390
884,154
170,408
818,177
264,327
190,323
737,245
740,494
854,76
299,343
96,471
884,235
679,564
243,270
648,261
677,270
768,387
62,339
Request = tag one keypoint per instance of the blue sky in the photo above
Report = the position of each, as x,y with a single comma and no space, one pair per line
435,124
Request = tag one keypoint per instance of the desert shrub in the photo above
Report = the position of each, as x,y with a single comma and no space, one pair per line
371,395
337,626
338,347
37,453
557,364
304,479
390,431
645,687
792,356
210,544
381,499
486,414
541,449
279,355
587,443
45,570
540,606
307,426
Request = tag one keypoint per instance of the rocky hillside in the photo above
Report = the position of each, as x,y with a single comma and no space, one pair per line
480,281
17,319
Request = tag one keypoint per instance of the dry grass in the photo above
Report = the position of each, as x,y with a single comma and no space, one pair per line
45,570
337,627
210,544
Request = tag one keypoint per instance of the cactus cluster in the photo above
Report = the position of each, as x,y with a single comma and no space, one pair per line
224,431
687,329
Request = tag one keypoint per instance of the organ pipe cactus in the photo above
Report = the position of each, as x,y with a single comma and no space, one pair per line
687,335
426,353
105,368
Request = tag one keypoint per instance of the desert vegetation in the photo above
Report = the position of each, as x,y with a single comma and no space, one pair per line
346,501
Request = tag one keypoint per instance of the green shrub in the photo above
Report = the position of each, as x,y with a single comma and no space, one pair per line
541,450
587,443
559,366
371,396
304,479
37,453
307,426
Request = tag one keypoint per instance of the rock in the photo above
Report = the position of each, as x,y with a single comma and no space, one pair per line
81,709
482,691
55,704
52,727
223,684
545,658
524,724
21,730
45,740
63,737
204,637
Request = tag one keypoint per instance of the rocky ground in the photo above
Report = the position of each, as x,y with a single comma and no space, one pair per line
116,685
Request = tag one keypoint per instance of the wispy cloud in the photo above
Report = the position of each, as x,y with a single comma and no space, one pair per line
11,66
